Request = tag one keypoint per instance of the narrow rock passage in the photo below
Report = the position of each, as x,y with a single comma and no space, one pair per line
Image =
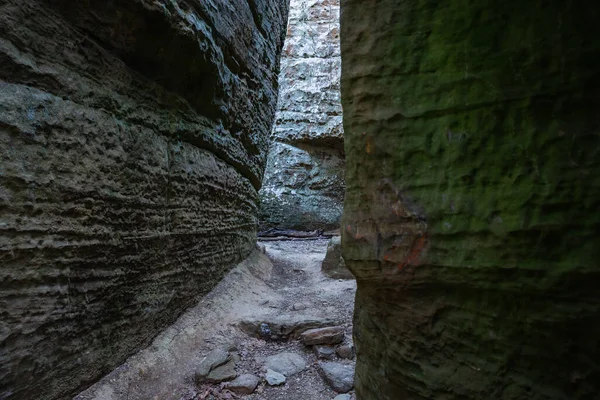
253,319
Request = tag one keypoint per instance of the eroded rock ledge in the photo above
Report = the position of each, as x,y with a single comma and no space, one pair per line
133,139
471,212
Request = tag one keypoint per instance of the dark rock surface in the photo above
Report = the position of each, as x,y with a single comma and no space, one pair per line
283,326
472,205
333,264
133,138
303,187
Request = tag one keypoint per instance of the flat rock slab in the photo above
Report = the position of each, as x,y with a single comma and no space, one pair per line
328,335
274,378
244,384
339,376
287,364
225,372
284,326
215,358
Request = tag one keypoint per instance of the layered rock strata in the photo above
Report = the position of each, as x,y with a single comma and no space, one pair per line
471,214
303,187
134,136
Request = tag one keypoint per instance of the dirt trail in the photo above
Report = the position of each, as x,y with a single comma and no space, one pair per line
258,290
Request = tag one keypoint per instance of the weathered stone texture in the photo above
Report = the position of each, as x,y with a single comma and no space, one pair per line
333,264
133,141
471,215
303,186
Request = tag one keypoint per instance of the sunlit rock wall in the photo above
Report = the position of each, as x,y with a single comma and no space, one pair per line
133,137
303,186
472,208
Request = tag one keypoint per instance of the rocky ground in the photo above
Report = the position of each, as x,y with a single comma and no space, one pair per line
271,330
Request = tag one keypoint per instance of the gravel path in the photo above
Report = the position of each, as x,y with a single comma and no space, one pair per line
289,290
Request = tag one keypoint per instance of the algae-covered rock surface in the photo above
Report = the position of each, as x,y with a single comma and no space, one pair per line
133,139
472,139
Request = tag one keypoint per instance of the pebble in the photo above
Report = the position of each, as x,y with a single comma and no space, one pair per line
299,307
264,331
345,351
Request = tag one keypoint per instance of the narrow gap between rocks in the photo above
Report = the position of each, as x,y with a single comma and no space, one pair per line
279,326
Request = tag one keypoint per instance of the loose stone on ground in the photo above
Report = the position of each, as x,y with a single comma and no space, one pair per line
339,376
328,335
299,306
244,384
274,378
325,352
287,364
225,372
344,396
345,351
215,358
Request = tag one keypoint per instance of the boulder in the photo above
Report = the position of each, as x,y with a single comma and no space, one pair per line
333,264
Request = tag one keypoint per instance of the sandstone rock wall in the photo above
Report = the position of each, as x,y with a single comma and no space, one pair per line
472,207
303,187
133,141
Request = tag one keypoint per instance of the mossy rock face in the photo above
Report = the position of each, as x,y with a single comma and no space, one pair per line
472,138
